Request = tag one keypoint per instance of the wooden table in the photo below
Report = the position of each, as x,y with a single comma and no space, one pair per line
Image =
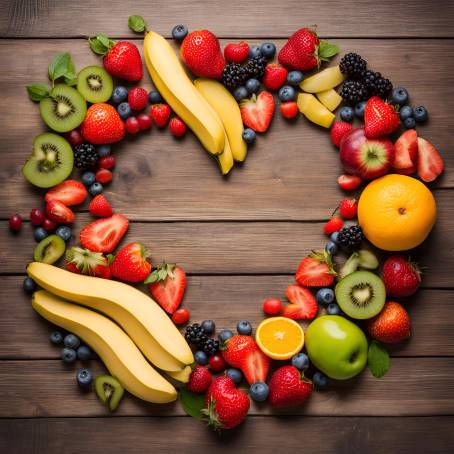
239,238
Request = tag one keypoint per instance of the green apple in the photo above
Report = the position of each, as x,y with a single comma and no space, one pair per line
336,346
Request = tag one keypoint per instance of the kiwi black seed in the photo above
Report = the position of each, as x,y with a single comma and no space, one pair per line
64,109
49,250
361,294
95,84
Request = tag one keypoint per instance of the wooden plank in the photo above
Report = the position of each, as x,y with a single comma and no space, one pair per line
160,178
137,435
413,386
225,299
40,18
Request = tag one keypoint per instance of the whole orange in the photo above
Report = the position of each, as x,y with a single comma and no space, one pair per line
396,212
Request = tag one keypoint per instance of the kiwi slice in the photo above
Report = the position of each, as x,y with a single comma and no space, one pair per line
64,109
109,391
361,294
51,161
95,84
49,250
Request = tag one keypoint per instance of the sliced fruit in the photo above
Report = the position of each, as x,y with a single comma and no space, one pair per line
95,84
430,164
303,304
257,111
59,213
323,80
69,192
83,261
330,98
109,391
314,110
316,270
368,259
406,148
49,250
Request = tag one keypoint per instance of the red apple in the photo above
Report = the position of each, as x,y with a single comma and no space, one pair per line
367,158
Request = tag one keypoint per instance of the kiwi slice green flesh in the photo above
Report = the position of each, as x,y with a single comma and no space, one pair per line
361,294
95,84
49,250
51,161
64,109
109,391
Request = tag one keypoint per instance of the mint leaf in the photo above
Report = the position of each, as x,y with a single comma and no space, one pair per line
327,50
36,92
378,359
137,24
59,66
97,47
105,40
192,403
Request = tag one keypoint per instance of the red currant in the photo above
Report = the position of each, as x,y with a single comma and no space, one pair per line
15,222
74,137
333,225
48,225
103,176
37,216
106,162
272,306
180,316
217,363
132,125
145,121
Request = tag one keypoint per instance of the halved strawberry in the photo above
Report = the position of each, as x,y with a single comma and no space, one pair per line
303,304
59,213
103,235
349,182
257,111
430,164
406,157
316,270
69,192
83,261
100,207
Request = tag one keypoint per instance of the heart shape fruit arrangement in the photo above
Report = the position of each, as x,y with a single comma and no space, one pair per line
349,309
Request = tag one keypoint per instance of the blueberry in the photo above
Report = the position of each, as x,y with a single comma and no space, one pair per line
119,94
333,309
84,378
208,326
64,232
347,114
254,51
252,86
295,78
400,96
268,50
320,380
29,285
103,150
410,123
68,355
83,353
324,296
224,335
259,391
56,338
154,97
95,189
331,247
421,114
334,236
405,112
88,178
39,234
240,93
235,374
244,327
300,361
124,110
201,358
179,32
359,109
287,93
249,136
71,341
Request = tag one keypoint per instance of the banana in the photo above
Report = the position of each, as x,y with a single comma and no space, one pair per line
225,159
182,376
177,89
229,112
117,351
143,319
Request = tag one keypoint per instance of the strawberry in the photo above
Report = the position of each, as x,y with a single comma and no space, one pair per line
103,235
257,111
243,353
226,406
59,213
69,192
167,285
177,127
102,124
304,51
430,164
199,380
103,176
83,261
349,182
316,270
289,109
160,114
348,208
338,131
333,225
289,387
275,76
380,118
121,59
236,52
130,263
137,98
100,207
303,304
406,152
201,52
401,276
391,325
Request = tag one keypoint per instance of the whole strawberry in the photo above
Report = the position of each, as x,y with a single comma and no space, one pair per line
348,208
391,325
102,124
275,76
226,406
401,276
137,98
199,380
130,263
100,207
84,261
177,127
380,119
160,113
201,53
289,387
338,131
236,52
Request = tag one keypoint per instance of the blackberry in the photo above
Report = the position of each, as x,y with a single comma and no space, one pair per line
353,65
85,156
255,67
350,237
194,334
209,346
234,75
353,92
376,84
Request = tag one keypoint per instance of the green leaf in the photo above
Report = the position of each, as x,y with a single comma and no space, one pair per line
378,359
152,278
59,66
36,92
105,40
71,79
137,24
101,44
327,50
192,403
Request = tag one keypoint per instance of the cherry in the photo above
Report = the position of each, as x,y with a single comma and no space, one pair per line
272,306
37,216
106,162
74,137
180,316
132,125
217,363
15,222
49,225
145,121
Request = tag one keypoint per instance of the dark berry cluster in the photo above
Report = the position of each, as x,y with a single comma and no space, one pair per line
376,84
85,156
353,65
350,237
354,91
255,67
235,75
195,335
